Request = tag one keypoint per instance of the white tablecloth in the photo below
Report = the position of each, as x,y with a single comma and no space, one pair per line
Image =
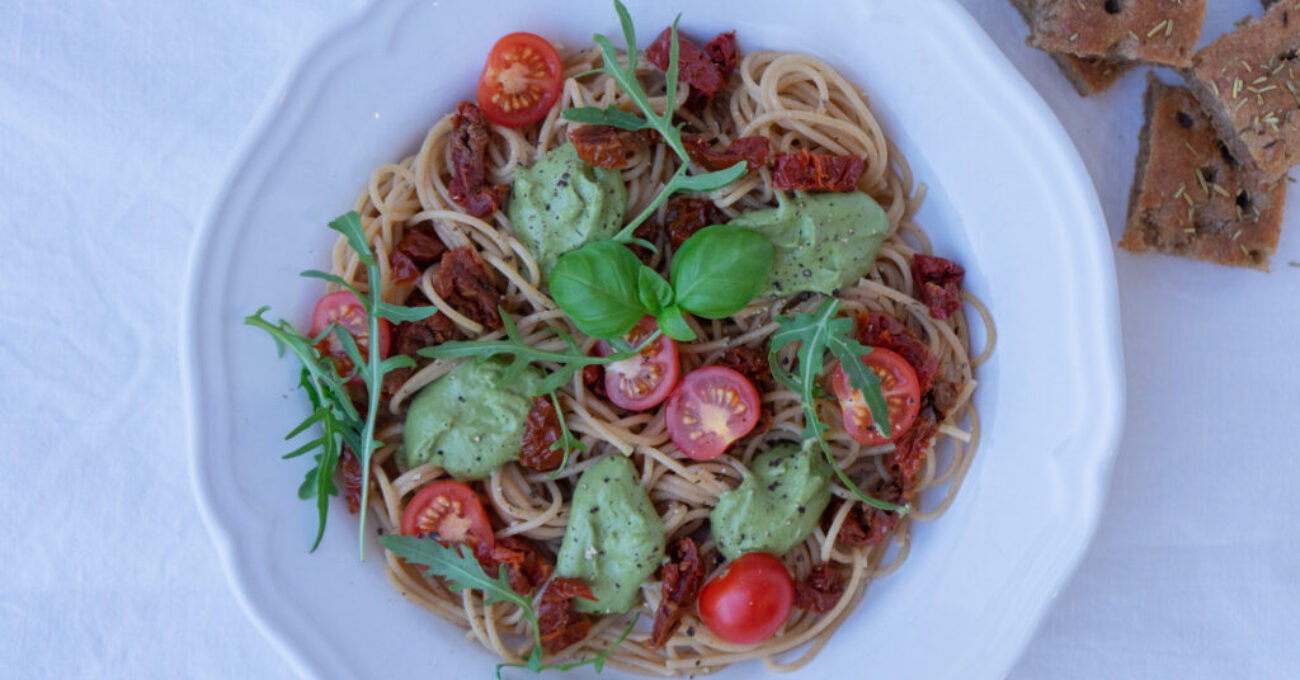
117,120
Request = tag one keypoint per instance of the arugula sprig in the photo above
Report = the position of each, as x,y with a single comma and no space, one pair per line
818,333
331,409
571,360
625,76
341,422
461,571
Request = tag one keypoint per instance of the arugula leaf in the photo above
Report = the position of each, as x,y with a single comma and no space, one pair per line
570,360
462,571
341,423
625,76
597,662
330,408
818,333
614,117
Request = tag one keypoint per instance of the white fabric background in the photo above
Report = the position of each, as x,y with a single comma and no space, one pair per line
116,122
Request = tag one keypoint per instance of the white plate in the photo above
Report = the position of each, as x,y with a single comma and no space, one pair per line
1008,198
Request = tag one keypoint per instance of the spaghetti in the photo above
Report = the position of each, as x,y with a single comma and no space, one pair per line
798,103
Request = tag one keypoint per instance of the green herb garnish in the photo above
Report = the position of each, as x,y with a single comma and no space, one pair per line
461,570
332,407
606,290
661,123
818,333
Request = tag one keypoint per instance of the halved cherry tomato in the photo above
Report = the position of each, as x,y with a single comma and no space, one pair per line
711,408
749,600
521,81
640,383
344,308
901,389
450,512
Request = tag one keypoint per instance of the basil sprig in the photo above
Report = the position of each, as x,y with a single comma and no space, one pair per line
625,76
606,290
331,404
461,571
818,333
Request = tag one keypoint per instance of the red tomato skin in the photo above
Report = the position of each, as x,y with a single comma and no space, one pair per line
542,79
477,526
902,391
685,401
657,362
344,307
749,600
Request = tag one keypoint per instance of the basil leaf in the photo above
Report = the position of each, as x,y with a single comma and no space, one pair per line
712,180
720,269
653,290
590,115
673,324
596,286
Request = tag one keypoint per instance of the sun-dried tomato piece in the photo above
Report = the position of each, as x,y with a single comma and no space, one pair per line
469,141
938,283
752,150
878,329
943,396
723,51
608,147
705,70
821,590
541,430
682,577
910,450
683,216
864,525
560,625
418,248
350,470
750,362
463,282
412,336
526,569
806,171
593,378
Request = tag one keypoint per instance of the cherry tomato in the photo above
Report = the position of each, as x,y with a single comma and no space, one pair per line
711,408
640,383
521,80
901,389
344,308
451,513
749,600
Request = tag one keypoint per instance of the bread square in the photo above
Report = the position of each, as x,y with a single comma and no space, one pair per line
1249,83
1191,196
1089,75
1156,31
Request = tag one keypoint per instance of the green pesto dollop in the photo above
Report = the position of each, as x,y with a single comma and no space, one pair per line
614,539
561,204
823,241
468,423
775,507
